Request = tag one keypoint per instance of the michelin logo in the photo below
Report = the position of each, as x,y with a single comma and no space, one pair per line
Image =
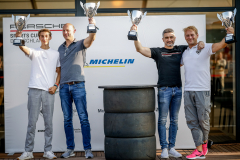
111,61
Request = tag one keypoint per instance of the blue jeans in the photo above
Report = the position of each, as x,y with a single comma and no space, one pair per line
76,93
169,98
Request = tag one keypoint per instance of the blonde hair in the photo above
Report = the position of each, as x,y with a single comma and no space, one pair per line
193,28
45,30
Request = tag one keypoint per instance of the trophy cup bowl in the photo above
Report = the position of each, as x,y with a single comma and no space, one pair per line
20,23
136,17
227,19
90,10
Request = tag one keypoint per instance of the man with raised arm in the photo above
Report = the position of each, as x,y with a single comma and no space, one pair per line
45,61
72,86
197,90
168,60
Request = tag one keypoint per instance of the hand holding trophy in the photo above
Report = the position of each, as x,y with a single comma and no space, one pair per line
90,9
20,23
136,17
227,19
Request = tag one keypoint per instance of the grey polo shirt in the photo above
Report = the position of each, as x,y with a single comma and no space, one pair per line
72,60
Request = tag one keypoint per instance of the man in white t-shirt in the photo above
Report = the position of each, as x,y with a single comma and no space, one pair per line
42,87
197,102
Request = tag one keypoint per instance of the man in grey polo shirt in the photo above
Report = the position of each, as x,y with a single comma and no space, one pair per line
72,86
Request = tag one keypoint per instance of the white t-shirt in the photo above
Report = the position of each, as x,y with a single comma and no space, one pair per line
197,68
43,69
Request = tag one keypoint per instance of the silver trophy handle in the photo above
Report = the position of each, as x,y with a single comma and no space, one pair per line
129,14
96,7
13,18
81,4
145,14
28,17
98,4
234,14
220,18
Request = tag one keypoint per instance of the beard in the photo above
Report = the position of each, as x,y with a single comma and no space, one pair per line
170,45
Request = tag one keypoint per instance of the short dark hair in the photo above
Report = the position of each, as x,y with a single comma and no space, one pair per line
168,30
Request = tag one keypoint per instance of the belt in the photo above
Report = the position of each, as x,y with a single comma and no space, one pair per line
168,86
71,83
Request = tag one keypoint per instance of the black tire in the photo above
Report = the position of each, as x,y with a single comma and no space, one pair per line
129,100
130,148
129,125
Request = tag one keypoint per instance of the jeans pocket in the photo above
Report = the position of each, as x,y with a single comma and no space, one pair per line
80,85
162,89
207,93
61,86
179,88
207,106
207,112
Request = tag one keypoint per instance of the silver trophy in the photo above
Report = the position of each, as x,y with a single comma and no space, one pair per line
90,9
136,17
227,19
20,23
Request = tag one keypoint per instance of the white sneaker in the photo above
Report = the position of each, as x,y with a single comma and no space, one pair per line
173,153
88,153
49,155
25,155
164,153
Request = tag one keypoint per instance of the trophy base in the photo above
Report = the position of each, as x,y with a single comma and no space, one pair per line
91,28
19,42
230,38
132,35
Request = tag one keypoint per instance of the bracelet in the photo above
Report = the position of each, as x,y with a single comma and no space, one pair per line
56,85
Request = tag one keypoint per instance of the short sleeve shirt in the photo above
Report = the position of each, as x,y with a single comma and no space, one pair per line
72,60
168,65
197,68
43,68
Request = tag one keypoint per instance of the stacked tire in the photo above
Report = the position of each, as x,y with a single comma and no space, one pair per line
129,123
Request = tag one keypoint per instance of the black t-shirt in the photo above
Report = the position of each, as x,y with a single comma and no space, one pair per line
168,65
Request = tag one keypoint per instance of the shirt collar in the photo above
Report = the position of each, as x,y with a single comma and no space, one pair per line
193,47
74,41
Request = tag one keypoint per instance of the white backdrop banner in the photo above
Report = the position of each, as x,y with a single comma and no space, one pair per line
111,60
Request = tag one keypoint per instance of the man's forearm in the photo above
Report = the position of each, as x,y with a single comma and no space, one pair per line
89,40
58,78
138,45
223,44
25,49
58,75
92,36
217,46
143,50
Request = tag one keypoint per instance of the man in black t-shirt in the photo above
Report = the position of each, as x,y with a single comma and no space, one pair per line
168,60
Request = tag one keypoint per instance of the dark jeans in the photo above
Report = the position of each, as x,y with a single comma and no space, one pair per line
169,99
76,93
